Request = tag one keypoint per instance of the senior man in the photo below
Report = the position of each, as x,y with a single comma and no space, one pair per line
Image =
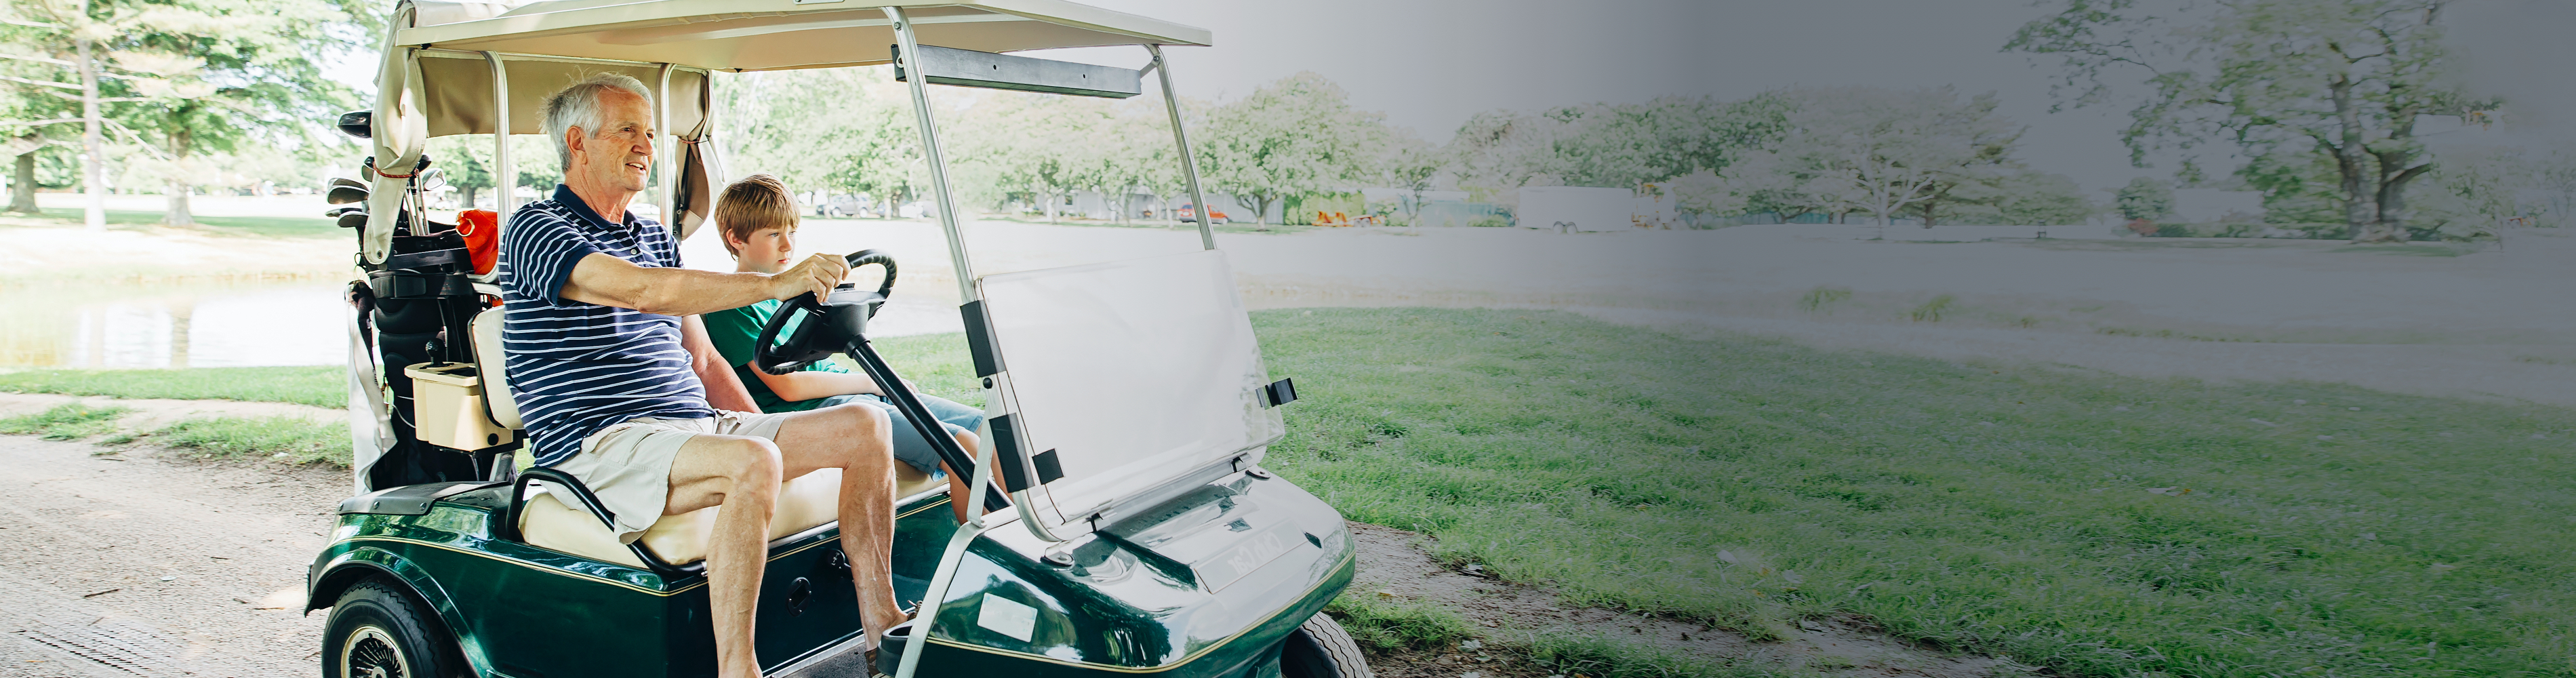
601,338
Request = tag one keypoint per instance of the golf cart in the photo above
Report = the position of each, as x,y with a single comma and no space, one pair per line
1133,530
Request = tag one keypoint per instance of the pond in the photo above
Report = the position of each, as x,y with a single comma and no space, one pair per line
191,324
199,324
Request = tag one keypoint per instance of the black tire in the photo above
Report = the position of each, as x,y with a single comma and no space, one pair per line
1321,649
378,626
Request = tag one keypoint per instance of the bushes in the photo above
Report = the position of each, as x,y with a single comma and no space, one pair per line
2238,229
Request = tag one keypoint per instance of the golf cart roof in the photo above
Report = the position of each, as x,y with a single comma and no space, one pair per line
761,35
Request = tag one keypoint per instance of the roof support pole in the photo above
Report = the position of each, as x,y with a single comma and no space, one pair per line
503,178
911,51
1189,163
666,173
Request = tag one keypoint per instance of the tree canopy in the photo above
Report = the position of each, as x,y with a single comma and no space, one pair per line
2287,83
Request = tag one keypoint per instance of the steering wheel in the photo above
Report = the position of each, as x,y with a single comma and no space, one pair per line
828,324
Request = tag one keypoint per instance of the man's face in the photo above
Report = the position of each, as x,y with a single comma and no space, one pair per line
619,154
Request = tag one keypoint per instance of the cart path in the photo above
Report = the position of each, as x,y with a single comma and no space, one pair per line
1394,564
133,561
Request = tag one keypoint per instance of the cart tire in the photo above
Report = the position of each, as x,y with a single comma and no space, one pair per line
378,626
1321,649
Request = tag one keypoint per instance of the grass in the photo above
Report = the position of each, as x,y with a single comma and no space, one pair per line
271,227
321,386
287,439
1754,483
2409,249
1822,298
1386,626
68,421
2092,525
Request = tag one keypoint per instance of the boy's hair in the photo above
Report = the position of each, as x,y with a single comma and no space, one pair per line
755,202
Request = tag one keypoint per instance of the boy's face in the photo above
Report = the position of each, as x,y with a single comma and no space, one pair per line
765,250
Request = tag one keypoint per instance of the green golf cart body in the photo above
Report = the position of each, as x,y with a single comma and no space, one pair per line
453,560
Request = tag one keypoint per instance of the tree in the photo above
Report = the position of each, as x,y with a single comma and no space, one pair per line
193,76
2341,79
1298,135
1411,164
1612,145
1884,150
2146,198
2041,199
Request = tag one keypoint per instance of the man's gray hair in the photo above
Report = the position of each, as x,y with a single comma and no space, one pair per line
578,106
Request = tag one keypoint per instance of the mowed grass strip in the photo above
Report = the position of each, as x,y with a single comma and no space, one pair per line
2095,525
320,385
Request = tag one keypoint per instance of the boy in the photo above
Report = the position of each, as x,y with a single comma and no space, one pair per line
757,220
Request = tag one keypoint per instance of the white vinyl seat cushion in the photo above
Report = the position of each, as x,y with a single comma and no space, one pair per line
805,503
488,364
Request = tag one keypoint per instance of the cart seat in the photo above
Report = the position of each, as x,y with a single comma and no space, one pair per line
809,501
496,377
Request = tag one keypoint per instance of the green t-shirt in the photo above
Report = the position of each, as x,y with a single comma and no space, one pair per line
736,333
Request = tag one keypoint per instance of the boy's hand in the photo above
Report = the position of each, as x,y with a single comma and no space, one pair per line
817,274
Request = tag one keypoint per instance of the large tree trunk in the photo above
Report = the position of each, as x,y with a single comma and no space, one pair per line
2352,166
468,195
94,158
2391,224
22,184
178,214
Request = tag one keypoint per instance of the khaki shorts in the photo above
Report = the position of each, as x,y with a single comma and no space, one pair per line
628,466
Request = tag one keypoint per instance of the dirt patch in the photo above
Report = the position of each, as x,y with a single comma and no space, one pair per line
141,562
1393,565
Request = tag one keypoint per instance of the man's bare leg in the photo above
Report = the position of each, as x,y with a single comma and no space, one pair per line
854,438
741,474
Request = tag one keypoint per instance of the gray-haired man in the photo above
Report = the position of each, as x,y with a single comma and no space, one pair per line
602,339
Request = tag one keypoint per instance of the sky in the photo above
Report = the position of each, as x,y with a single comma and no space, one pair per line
1430,65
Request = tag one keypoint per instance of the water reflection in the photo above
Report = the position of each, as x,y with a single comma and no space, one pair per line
173,325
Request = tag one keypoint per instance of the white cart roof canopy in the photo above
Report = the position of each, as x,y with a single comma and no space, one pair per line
761,35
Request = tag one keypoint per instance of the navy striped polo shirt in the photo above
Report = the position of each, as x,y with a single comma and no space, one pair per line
576,368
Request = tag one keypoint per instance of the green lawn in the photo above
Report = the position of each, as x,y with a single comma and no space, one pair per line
323,386
2095,525
273,227
2098,526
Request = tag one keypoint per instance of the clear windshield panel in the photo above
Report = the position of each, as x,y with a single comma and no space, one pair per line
1134,372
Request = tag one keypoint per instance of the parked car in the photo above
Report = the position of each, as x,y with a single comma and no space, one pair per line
840,206
1190,215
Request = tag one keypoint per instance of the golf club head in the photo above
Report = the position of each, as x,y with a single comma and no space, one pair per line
433,178
354,219
342,195
356,123
335,212
345,181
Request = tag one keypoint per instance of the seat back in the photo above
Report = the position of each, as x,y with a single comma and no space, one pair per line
495,372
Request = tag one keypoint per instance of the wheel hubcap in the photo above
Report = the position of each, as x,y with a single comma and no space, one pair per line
370,652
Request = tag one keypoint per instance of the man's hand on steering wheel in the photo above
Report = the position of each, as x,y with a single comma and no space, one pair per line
817,274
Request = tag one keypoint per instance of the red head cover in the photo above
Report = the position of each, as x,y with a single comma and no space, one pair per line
482,231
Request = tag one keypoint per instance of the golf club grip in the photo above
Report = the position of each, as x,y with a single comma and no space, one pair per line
930,428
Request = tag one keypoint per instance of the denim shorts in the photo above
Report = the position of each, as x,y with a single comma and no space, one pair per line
909,446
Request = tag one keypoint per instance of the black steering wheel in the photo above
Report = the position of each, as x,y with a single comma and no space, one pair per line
828,324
